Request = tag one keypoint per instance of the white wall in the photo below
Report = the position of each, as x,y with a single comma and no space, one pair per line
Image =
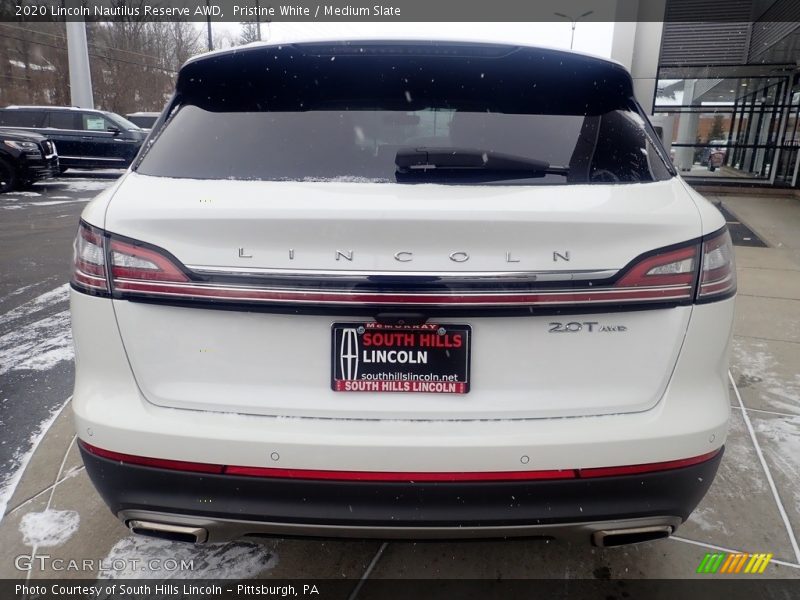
637,45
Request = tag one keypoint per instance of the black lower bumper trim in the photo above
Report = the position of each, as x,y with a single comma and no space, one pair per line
126,487
36,169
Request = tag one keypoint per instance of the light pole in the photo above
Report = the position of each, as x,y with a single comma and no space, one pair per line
258,21
574,21
208,23
80,76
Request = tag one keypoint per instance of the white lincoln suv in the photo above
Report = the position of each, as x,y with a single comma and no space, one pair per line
402,289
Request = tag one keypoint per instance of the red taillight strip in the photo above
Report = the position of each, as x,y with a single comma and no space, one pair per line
232,293
646,468
313,474
158,463
400,476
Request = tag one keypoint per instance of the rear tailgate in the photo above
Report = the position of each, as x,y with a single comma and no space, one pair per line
272,360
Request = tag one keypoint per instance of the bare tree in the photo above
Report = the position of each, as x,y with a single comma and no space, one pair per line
250,32
33,63
185,41
134,63
224,39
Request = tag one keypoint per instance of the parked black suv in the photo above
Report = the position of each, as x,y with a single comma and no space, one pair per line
86,139
145,120
25,157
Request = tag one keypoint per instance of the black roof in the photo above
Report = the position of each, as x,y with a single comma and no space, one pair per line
307,76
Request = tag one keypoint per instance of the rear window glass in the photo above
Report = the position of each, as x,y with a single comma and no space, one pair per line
62,120
21,118
511,117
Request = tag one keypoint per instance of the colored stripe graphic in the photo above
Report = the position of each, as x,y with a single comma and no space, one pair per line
758,563
734,563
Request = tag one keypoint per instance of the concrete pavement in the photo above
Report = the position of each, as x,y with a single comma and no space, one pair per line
753,506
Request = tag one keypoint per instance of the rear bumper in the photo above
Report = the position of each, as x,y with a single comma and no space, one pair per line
227,507
110,413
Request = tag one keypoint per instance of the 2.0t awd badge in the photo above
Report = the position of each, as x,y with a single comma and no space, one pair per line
587,326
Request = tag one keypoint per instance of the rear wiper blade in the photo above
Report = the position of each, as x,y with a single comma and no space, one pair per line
421,159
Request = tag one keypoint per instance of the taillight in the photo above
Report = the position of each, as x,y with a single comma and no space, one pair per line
668,274
700,271
89,261
718,271
132,262
672,273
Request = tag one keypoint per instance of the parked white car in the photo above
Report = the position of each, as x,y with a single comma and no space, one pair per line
402,289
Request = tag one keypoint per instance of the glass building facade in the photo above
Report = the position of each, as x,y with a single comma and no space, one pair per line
729,96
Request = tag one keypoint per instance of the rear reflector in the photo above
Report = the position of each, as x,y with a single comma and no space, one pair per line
407,477
156,463
646,468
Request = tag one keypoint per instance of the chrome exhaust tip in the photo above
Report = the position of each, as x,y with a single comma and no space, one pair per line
166,531
631,535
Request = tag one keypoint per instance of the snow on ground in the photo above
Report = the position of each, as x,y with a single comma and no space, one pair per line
39,344
740,470
82,190
708,520
17,292
85,185
23,205
783,452
46,300
49,527
13,195
755,364
147,558
10,480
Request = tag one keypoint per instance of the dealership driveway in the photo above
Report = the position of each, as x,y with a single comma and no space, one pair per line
36,232
753,506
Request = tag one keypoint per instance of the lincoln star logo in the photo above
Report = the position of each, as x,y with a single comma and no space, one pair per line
349,354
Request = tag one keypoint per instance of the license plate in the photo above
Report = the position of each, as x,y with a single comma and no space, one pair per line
372,357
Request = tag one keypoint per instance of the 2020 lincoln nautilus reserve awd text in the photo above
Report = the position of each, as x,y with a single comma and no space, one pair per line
402,289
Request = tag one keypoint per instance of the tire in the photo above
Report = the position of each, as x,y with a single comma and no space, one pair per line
8,177
712,168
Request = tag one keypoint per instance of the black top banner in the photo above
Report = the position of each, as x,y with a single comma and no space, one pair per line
402,10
